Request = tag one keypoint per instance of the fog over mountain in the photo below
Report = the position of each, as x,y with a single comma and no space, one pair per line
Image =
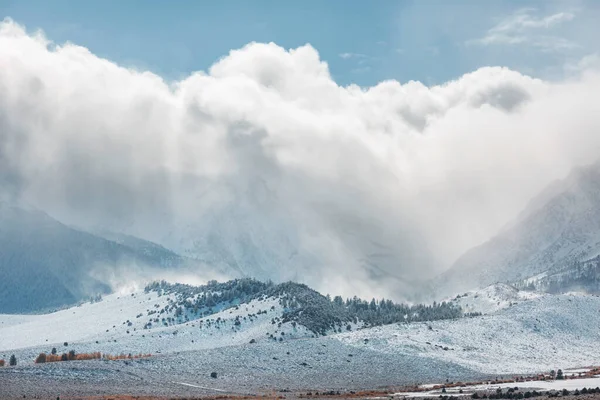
555,235
264,165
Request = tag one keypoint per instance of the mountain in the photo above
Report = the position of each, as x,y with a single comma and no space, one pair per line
291,329
558,228
259,310
46,264
578,276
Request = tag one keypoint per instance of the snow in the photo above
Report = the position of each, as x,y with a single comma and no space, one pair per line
537,333
102,327
576,371
199,387
569,384
86,322
492,298
544,333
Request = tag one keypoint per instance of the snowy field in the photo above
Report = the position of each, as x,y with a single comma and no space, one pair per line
543,386
531,335
543,333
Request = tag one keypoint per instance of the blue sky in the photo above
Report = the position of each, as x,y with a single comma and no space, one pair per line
363,42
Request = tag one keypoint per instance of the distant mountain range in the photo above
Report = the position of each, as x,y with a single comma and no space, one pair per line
552,246
46,264
557,231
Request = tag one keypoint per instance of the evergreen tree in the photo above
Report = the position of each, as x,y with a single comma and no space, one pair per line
13,360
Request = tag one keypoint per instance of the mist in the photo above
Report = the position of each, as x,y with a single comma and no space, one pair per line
264,164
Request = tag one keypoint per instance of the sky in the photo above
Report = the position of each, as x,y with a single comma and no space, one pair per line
363,42
359,154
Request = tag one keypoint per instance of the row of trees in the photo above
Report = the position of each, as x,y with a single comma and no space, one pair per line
301,305
72,356
579,275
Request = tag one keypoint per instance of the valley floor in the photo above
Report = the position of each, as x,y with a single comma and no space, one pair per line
263,369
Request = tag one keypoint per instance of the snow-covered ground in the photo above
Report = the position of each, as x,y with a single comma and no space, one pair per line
113,326
544,386
492,298
540,334
536,333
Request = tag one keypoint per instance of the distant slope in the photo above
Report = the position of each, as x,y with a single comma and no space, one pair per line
212,315
45,264
558,228
579,276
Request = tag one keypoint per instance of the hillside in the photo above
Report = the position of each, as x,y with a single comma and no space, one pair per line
244,330
558,228
231,312
538,334
45,264
578,276
491,299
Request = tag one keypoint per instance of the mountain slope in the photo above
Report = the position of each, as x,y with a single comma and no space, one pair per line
248,318
558,228
45,264
220,314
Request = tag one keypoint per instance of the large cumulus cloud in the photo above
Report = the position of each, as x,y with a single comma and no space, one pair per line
264,164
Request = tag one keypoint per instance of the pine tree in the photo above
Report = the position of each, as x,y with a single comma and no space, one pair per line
13,360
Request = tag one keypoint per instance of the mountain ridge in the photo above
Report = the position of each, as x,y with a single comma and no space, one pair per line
557,228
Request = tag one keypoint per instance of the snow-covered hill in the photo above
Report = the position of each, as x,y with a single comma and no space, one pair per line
117,324
539,334
492,298
184,317
559,227
520,332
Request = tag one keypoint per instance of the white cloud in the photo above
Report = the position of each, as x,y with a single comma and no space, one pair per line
523,28
266,164
347,56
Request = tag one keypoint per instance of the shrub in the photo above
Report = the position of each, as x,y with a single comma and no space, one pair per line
64,357
41,358
71,355
88,356
53,358
13,360
559,374
53,352
213,375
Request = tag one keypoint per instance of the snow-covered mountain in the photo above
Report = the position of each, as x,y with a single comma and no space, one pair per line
46,264
233,312
558,228
579,276
530,335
